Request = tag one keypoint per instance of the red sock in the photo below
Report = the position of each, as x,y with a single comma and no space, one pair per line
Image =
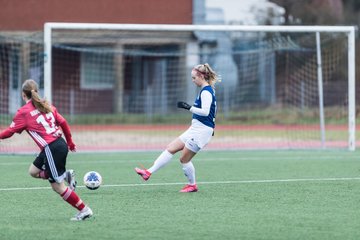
43,175
73,199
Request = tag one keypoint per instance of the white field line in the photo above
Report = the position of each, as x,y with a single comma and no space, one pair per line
202,183
240,158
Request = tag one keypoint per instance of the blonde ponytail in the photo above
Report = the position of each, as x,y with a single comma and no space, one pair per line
209,74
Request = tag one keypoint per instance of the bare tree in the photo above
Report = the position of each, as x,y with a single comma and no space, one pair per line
315,12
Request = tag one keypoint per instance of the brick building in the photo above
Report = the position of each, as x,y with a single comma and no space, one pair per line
21,47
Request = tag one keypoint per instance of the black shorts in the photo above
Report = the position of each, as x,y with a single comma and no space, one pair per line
52,159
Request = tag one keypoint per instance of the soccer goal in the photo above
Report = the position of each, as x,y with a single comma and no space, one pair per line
283,87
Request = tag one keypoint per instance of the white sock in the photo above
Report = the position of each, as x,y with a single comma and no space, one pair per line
161,161
189,171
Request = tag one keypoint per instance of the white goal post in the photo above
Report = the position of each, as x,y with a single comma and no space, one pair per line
348,30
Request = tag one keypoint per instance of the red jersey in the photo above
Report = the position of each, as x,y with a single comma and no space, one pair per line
42,127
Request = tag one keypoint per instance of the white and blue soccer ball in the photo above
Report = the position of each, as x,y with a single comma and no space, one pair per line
92,180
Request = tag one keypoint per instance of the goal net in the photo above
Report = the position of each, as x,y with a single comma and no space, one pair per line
118,84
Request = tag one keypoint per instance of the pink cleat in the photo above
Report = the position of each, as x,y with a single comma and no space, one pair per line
189,188
145,174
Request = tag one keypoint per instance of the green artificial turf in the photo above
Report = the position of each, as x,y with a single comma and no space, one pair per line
242,195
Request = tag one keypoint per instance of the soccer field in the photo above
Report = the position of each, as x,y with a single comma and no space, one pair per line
242,195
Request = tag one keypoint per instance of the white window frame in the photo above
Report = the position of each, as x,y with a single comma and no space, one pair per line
99,85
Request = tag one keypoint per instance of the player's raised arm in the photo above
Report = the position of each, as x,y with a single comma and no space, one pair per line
67,133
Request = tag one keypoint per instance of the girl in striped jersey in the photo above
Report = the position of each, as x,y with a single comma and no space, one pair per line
198,134
42,122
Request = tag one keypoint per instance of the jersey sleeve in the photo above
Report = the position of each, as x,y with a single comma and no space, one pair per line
206,99
19,123
58,117
6,133
61,121
17,126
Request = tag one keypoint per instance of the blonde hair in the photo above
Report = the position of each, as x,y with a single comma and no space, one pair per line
30,89
210,75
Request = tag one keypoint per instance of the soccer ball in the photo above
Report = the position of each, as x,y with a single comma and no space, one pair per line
92,180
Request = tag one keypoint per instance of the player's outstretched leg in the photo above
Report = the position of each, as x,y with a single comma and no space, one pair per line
70,179
144,173
189,188
189,172
85,213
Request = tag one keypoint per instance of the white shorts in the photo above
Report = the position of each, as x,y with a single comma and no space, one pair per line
197,136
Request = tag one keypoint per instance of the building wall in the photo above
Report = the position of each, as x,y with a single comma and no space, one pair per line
30,15
21,17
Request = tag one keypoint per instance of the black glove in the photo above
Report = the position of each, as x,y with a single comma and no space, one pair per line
183,105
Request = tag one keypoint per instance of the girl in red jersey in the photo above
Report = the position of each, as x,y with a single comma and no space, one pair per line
42,122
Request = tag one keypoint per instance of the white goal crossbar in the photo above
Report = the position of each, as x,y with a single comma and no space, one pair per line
349,30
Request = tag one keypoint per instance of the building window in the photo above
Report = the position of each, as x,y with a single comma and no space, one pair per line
97,70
